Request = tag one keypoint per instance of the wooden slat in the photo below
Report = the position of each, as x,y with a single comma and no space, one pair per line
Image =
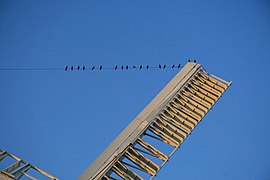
3,155
198,99
168,132
142,161
201,96
152,149
185,112
209,83
13,166
191,122
124,172
205,93
182,105
213,80
178,117
207,87
199,108
120,173
167,139
193,107
177,123
105,178
172,128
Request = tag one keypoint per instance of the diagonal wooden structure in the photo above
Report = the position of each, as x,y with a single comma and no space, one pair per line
137,153
20,169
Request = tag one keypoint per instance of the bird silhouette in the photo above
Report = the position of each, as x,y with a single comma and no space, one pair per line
126,66
134,67
195,61
66,68
173,66
159,66
83,68
147,67
164,66
189,60
100,67
140,66
78,67
71,68
122,67
179,65
93,68
115,68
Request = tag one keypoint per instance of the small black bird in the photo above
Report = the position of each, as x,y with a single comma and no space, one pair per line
126,66
179,65
134,67
83,68
78,67
140,66
122,67
159,66
93,68
195,61
100,67
115,68
164,66
71,68
66,68
147,67
173,66
189,60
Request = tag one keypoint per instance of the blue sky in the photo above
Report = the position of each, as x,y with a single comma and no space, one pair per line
61,121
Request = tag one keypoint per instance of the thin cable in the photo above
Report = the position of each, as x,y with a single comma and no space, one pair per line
100,67
122,67
31,69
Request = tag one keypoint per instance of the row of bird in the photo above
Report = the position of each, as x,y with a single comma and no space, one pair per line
126,67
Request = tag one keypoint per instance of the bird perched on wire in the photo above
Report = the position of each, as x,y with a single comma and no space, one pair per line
126,67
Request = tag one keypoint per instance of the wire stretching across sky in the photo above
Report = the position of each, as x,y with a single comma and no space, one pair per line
100,67
31,69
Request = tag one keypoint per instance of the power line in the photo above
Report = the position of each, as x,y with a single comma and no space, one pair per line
31,69
91,68
121,67
99,67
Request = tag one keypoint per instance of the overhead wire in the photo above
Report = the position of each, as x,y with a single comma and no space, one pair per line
121,67
30,69
100,67
91,68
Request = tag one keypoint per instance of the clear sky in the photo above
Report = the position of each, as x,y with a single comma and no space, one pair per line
61,121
